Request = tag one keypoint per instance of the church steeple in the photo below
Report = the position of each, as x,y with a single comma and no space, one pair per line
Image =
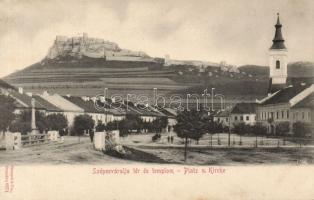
278,41
278,61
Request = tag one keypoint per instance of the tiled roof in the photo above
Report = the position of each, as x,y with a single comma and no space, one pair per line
284,95
62,103
244,108
224,113
25,100
168,112
47,105
87,106
307,102
6,85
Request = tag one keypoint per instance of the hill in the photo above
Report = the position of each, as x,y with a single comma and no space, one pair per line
84,66
89,76
295,69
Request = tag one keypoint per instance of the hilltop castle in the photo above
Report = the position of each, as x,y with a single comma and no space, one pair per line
93,47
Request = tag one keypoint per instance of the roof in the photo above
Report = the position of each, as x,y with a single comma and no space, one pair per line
307,102
278,41
284,95
48,106
169,112
86,105
244,108
24,101
62,103
6,85
224,113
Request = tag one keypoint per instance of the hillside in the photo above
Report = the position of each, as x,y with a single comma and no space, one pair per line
89,76
83,65
295,69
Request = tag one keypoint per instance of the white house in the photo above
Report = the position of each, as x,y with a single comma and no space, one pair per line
243,112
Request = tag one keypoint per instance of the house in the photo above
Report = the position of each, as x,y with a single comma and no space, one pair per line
89,108
106,114
23,102
5,88
69,109
223,117
291,104
49,108
243,113
172,121
289,96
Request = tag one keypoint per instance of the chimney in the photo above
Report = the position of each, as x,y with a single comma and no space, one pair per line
45,93
20,90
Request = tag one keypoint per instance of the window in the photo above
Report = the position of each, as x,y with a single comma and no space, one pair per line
282,114
227,119
303,115
247,118
277,115
277,64
297,115
288,114
241,118
235,118
309,116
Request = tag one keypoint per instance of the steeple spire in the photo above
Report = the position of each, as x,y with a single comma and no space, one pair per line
278,41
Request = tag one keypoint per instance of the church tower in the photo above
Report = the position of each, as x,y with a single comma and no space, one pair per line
278,61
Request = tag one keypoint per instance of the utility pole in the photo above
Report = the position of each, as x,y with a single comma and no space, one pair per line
229,131
213,99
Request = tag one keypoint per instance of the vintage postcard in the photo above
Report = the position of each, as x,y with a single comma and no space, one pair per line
144,99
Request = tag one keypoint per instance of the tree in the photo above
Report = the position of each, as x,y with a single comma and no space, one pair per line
159,124
6,112
56,122
241,129
211,129
300,129
100,127
82,123
131,122
258,129
23,122
190,124
282,128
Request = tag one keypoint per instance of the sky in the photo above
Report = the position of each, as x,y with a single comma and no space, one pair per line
236,31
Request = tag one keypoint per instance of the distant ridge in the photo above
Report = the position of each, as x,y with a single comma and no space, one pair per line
295,69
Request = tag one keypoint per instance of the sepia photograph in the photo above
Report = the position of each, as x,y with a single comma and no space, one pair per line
101,98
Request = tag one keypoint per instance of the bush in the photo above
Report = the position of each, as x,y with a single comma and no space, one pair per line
82,123
282,128
100,126
301,129
241,128
259,129
56,122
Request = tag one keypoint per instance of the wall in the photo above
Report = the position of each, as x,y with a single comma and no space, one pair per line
249,119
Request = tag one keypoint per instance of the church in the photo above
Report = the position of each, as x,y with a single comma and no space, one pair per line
290,99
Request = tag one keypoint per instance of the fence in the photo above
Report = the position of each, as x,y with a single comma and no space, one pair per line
16,140
27,140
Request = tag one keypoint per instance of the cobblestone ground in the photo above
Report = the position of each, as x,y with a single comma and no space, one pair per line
69,152
73,152
218,140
